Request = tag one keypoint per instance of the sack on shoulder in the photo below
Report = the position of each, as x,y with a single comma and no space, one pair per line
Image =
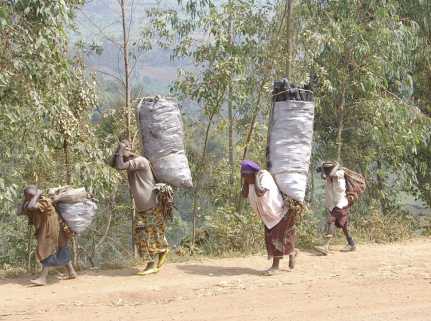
355,185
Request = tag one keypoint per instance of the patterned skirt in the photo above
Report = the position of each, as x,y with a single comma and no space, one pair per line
149,235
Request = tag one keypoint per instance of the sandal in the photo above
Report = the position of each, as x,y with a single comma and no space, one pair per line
162,259
272,271
145,272
292,259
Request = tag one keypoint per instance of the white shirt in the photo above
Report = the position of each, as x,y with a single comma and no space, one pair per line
269,207
336,191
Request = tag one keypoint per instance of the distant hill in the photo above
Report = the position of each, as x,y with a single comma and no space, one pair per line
154,70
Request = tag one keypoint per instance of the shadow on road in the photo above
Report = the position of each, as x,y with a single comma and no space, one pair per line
217,270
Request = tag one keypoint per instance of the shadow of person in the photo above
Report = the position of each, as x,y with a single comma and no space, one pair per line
218,270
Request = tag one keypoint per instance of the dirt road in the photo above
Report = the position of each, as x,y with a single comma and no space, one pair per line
377,282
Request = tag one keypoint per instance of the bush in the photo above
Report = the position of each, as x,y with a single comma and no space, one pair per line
307,233
380,228
232,232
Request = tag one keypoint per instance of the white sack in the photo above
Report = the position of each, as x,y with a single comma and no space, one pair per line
290,139
162,140
78,216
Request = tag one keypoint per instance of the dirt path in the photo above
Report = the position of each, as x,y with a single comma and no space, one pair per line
377,282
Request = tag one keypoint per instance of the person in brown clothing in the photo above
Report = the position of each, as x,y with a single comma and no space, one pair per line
51,247
149,222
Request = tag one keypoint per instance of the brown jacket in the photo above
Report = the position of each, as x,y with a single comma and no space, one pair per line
50,237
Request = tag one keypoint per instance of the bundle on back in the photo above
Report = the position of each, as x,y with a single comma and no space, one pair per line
75,206
162,140
290,134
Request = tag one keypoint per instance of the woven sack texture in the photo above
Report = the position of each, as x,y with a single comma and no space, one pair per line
289,146
162,140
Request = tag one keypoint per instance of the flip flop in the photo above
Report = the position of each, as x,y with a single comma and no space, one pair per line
162,259
272,271
292,260
153,270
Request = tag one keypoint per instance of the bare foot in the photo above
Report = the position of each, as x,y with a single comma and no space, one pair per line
70,276
38,282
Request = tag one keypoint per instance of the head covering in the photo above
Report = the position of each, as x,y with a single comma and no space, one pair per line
248,167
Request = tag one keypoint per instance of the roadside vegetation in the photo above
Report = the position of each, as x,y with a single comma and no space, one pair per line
65,104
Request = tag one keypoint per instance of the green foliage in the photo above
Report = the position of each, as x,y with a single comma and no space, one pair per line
371,94
424,224
229,231
307,234
393,227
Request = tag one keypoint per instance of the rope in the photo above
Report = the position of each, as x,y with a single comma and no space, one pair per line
290,172
292,89
160,158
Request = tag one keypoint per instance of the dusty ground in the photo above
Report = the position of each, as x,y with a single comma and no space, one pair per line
377,282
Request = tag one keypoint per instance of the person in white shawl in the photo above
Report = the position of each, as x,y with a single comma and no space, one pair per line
267,201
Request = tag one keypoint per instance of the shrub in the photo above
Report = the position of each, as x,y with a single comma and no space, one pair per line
392,227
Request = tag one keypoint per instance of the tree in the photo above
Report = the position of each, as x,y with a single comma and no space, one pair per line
46,100
362,75
226,60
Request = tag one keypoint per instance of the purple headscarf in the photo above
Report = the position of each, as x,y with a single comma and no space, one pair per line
248,167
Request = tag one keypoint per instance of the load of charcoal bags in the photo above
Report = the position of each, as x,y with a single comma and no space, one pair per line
290,135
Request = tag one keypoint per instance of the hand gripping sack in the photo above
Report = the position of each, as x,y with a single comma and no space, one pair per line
290,136
162,140
355,185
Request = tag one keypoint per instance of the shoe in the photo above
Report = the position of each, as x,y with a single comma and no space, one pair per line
150,271
349,248
272,271
324,249
292,259
162,259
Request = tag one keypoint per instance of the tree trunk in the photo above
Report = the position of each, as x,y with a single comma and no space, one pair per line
289,40
67,162
126,65
312,189
30,235
127,88
341,119
380,187
247,142
74,255
195,202
231,167
230,111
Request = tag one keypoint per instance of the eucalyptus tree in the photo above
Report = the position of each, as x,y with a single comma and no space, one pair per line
419,157
359,50
230,58
46,101
128,34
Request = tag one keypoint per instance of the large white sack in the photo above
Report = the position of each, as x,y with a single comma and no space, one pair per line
78,216
290,139
162,140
